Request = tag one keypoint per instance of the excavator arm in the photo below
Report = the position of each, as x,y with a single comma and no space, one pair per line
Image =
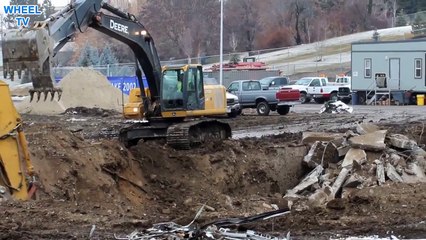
33,49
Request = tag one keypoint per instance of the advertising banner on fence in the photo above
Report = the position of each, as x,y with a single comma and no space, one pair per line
125,84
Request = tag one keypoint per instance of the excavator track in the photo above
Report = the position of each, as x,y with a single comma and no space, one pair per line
194,133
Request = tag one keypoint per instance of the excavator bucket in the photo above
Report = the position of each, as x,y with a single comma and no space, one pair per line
30,50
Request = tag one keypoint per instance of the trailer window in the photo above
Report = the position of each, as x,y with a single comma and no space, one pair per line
418,68
367,68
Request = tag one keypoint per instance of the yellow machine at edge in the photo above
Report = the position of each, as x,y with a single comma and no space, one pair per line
16,170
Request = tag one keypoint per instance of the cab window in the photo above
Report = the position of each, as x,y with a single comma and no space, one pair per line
251,86
233,87
315,83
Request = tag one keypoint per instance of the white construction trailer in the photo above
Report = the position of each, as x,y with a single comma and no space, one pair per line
402,62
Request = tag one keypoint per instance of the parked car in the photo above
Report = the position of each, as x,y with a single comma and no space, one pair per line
251,95
233,107
317,88
274,82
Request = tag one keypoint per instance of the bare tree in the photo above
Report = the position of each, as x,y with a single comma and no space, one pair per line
233,41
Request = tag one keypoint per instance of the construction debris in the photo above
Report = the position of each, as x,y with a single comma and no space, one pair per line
215,230
401,141
352,155
335,107
369,161
374,141
312,137
365,128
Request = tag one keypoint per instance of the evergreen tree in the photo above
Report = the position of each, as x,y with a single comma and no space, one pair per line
89,56
84,59
400,20
107,56
94,56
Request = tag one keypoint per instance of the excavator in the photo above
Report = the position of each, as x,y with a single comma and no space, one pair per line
175,105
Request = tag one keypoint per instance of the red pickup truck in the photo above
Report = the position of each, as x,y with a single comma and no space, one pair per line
287,97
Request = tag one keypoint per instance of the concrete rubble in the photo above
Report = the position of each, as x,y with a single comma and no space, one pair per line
374,141
371,158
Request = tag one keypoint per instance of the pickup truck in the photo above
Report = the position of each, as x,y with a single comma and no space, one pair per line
317,88
274,82
344,94
251,95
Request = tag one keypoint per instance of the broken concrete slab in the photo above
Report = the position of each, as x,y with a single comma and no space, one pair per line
365,128
353,181
321,153
395,159
312,137
393,174
308,181
374,141
354,154
413,168
380,172
339,182
343,150
318,198
420,160
401,141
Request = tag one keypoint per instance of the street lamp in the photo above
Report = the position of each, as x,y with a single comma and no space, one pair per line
221,44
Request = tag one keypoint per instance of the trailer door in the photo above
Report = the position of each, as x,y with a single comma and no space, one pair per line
394,68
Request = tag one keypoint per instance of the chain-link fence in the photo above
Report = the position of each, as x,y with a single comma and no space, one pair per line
416,20
123,70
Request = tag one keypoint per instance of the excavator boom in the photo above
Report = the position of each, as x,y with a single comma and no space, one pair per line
176,93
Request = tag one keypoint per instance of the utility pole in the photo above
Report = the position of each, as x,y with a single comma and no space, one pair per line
221,44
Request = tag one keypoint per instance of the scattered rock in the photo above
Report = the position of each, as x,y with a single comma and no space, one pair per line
365,128
318,198
265,205
380,172
308,181
401,141
312,137
353,181
374,141
166,211
321,153
336,204
354,154
338,182
392,174
395,159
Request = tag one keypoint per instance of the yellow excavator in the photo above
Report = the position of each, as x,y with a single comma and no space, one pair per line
16,170
176,107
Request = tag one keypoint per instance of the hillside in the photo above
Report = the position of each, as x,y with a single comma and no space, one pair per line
336,52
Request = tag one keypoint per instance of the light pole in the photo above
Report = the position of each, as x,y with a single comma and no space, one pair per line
221,44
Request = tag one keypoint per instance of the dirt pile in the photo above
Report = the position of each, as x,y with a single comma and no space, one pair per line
81,88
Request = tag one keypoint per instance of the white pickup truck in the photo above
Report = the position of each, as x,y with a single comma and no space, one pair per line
318,88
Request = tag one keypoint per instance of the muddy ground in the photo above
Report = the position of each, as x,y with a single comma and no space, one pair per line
86,177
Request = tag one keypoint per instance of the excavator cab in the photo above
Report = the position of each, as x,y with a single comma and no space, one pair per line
182,90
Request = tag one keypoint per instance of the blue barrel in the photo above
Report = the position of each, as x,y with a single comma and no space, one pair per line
354,98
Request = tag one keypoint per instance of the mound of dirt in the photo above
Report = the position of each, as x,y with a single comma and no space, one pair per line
81,88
